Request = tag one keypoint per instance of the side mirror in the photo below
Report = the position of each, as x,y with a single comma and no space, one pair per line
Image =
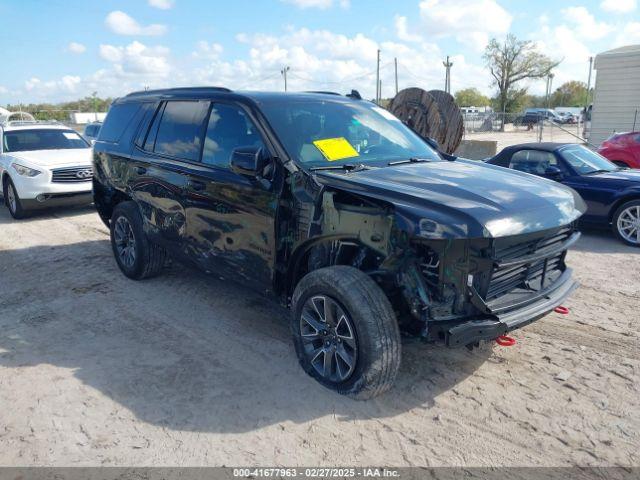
553,173
248,161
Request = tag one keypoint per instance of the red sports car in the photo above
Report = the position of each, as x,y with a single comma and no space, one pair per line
623,149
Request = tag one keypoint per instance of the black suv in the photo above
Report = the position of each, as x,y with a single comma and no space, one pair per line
338,209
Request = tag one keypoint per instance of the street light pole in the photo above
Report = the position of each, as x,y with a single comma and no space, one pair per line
586,101
378,79
447,75
284,74
395,63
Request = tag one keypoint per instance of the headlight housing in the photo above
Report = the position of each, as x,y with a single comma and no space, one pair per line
25,171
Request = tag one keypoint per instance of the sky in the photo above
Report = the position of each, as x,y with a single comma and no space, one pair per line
58,50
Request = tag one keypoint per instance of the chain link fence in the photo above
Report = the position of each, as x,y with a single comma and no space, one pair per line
512,129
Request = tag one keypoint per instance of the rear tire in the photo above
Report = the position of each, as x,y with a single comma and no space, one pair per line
626,223
12,200
137,257
341,312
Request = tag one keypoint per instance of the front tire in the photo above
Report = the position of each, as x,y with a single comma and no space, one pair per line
12,200
626,223
345,332
137,257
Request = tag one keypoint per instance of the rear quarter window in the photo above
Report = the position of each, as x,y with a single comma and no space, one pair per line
118,119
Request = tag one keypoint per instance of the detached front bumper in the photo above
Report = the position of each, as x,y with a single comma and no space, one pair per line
472,331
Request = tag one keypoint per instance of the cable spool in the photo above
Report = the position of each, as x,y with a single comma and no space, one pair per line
418,110
431,114
451,121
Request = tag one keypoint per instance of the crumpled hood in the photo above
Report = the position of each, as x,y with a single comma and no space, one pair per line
55,158
463,198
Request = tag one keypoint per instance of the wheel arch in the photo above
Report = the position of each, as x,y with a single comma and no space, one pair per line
106,199
621,201
299,259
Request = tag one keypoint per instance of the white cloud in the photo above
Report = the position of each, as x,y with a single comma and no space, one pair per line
318,60
629,34
402,30
122,24
321,4
208,50
161,4
471,22
562,43
585,23
67,84
619,6
75,47
136,59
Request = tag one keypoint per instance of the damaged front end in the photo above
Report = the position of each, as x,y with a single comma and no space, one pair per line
443,285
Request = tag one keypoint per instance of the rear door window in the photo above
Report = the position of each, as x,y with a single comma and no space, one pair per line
181,129
117,121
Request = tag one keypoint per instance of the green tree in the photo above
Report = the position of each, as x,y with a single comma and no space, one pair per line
471,97
569,94
511,62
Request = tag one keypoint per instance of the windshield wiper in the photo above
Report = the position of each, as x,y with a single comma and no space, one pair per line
602,170
349,167
409,160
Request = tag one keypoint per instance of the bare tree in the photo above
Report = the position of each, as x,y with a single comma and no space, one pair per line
513,61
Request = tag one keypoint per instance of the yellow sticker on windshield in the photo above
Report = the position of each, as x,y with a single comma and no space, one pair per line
336,148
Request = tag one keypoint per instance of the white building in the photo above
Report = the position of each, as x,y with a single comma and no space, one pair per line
616,102
87,117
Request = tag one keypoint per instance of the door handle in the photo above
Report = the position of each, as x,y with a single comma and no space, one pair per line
196,185
141,170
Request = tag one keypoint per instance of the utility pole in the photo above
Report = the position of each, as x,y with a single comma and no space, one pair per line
380,91
284,74
95,104
586,101
395,63
549,88
447,76
378,79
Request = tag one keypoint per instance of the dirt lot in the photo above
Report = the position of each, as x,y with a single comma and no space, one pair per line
187,369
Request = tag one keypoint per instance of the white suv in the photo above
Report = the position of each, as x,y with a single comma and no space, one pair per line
43,164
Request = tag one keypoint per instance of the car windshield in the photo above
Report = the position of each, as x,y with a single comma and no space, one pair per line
320,133
584,161
42,139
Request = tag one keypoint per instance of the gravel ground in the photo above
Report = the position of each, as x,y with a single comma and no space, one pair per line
188,369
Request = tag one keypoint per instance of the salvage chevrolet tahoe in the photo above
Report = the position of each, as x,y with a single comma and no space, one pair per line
338,209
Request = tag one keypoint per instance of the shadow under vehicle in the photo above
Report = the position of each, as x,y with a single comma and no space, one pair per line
338,209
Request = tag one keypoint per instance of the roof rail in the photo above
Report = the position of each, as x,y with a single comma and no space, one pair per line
323,92
161,91
21,123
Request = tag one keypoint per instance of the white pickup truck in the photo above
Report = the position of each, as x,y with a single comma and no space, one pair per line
43,164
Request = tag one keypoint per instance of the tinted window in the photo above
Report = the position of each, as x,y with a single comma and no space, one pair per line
228,128
533,161
42,139
118,119
180,130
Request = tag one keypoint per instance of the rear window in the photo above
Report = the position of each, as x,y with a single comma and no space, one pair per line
181,129
42,139
118,119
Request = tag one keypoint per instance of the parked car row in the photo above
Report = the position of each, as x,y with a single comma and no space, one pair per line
334,207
